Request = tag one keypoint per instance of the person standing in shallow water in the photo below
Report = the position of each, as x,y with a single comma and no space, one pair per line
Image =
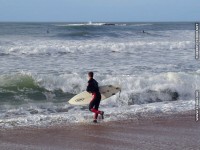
93,88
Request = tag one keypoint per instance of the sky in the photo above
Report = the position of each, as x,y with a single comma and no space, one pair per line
99,10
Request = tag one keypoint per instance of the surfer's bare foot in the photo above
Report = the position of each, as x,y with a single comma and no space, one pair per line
102,114
94,121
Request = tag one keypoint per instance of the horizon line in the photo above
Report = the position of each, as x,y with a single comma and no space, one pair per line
99,21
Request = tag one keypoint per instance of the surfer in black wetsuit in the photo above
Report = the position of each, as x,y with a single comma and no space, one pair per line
93,88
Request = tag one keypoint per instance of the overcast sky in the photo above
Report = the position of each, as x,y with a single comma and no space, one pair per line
99,10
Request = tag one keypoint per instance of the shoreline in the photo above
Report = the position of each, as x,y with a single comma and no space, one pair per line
179,131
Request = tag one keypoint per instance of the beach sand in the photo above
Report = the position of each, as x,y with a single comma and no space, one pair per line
173,132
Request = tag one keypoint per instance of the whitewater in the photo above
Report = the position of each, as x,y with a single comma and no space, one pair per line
43,65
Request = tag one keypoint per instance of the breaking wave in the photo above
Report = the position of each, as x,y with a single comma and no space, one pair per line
31,99
169,86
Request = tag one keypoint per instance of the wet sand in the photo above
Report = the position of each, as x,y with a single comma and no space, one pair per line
156,133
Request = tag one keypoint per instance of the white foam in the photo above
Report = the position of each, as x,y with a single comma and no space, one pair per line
173,40
116,108
56,47
111,114
183,83
80,24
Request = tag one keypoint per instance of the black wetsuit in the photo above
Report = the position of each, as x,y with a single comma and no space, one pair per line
96,96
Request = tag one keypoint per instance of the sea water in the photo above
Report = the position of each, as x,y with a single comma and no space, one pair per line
43,65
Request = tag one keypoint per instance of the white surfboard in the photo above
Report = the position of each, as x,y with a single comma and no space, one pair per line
84,98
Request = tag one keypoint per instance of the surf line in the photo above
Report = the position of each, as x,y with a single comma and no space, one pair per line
197,105
196,41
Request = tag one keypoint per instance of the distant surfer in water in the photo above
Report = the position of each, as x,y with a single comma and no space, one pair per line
96,97
47,31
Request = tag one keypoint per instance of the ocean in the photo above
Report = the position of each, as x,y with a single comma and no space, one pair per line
43,65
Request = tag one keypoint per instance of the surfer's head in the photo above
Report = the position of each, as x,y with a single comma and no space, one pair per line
90,75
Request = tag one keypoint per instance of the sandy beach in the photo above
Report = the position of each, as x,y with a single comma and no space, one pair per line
179,131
